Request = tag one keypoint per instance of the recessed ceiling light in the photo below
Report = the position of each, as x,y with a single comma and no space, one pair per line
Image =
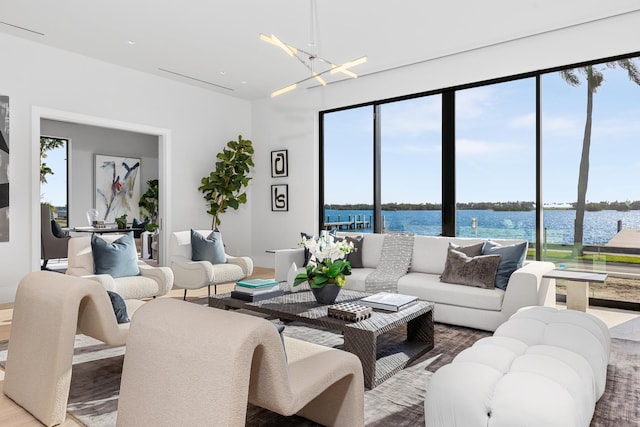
131,42
244,82
222,73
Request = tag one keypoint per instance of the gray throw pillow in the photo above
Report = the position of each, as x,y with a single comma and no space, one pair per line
208,248
469,250
117,259
511,258
119,307
56,229
355,257
478,271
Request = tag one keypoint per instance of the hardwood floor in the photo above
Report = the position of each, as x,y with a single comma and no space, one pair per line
12,415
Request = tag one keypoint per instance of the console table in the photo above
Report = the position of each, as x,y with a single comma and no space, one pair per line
102,230
577,285
360,338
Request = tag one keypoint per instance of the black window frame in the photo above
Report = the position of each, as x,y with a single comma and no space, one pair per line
448,155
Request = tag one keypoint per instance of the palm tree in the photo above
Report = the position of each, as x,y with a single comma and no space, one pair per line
594,78
47,144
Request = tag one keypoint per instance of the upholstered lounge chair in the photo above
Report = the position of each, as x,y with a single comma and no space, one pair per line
49,308
192,365
198,274
152,281
52,247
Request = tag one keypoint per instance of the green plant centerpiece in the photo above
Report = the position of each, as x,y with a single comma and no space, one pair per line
121,221
327,266
223,188
149,205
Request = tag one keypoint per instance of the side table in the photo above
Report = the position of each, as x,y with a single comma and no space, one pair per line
577,285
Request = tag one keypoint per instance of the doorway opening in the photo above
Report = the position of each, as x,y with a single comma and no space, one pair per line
163,140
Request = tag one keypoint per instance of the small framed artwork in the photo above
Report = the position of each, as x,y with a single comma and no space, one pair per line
279,164
280,197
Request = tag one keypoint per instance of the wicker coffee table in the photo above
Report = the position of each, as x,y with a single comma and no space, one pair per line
360,338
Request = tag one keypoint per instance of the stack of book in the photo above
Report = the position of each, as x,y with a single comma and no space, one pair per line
256,289
388,301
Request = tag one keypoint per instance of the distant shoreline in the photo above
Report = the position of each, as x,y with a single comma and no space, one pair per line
559,224
494,206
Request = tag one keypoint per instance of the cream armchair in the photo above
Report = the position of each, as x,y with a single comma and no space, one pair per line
49,309
253,363
52,247
152,281
198,274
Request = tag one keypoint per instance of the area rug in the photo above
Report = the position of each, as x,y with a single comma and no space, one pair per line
398,401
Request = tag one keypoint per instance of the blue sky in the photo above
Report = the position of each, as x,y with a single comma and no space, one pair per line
495,145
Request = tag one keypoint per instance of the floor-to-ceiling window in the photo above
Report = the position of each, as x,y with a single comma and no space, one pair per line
509,166
54,176
348,169
411,165
591,170
495,152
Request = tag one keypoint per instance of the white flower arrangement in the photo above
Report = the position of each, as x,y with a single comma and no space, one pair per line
327,247
326,262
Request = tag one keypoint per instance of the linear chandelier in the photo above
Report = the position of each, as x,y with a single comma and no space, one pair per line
310,59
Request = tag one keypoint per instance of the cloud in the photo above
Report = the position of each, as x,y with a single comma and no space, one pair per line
527,121
473,103
471,147
574,126
617,126
412,117
412,148
561,125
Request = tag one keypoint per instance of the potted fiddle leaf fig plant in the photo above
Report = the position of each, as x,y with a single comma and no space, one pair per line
224,187
149,205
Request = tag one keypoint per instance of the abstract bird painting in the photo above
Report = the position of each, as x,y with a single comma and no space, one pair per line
117,187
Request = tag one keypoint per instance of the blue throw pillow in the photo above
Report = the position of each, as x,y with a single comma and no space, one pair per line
511,258
119,307
118,258
139,224
208,248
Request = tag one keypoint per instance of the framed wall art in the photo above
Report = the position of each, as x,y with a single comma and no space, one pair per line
117,187
280,197
279,164
4,168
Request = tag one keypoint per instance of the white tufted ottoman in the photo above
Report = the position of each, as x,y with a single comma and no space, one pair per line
543,367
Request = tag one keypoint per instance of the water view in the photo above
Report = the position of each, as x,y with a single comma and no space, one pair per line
599,226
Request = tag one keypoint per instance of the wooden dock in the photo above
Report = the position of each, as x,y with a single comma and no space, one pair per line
626,238
355,223
625,242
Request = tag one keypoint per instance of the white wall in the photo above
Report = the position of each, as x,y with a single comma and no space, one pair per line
200,122
86,142
290,121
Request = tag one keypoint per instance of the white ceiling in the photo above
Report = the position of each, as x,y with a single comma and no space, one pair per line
216,41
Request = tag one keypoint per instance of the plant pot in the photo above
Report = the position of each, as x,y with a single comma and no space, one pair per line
326,294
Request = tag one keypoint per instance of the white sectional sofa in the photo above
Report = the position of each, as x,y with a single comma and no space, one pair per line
542,368
454,304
